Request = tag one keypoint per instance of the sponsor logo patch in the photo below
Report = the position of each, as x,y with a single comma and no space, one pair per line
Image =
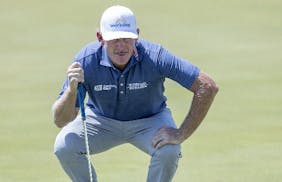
137,86
104,87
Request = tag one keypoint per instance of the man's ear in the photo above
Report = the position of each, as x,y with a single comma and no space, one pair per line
100,37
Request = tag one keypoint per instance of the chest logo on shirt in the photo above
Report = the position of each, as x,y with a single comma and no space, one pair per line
104,87
136,86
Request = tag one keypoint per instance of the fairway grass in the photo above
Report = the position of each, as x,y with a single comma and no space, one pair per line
237,42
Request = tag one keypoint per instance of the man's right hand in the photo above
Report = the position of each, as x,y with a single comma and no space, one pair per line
75,75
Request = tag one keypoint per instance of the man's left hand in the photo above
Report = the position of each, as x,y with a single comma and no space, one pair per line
166,135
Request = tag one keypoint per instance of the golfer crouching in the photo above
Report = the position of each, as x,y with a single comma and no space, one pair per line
123,77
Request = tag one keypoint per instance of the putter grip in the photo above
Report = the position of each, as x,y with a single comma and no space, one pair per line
80,96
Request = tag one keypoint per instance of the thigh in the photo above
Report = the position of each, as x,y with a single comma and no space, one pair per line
102,134
145,130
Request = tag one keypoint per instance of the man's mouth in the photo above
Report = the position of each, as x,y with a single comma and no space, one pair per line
121,53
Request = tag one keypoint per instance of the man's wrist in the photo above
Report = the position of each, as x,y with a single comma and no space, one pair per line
71,91
182,134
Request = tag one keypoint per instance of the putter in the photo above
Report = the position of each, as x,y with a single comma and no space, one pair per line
82,112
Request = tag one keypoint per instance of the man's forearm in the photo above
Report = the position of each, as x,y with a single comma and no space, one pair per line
64,109
204,94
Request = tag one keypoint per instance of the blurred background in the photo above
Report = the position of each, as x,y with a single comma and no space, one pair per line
237,42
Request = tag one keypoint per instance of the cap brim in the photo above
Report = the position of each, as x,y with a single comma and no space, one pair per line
118,35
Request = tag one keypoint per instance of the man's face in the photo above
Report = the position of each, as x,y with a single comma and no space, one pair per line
120,51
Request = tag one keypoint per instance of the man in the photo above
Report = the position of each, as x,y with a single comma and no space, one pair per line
124,79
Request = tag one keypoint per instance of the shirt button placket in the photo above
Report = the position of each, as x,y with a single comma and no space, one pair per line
121,86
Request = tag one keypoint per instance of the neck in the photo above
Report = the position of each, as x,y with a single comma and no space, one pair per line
120,67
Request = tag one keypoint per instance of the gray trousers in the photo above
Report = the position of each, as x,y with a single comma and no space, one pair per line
105,133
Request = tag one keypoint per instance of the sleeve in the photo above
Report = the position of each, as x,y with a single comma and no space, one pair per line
177,69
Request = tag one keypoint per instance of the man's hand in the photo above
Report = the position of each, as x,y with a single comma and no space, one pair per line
166,135
75,75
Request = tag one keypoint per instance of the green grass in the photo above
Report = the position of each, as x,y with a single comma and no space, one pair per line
237,42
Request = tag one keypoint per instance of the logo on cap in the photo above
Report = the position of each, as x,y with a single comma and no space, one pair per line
120,22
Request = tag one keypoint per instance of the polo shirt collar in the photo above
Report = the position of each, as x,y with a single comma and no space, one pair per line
105,61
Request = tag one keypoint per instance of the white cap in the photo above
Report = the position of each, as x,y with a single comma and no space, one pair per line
118,22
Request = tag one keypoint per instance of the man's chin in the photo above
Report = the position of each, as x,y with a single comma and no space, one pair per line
122,59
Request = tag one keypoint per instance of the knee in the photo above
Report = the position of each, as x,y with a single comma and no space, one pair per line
168,154
66,145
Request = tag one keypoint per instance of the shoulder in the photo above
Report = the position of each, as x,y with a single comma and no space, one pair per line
147,44
91,49
147,49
